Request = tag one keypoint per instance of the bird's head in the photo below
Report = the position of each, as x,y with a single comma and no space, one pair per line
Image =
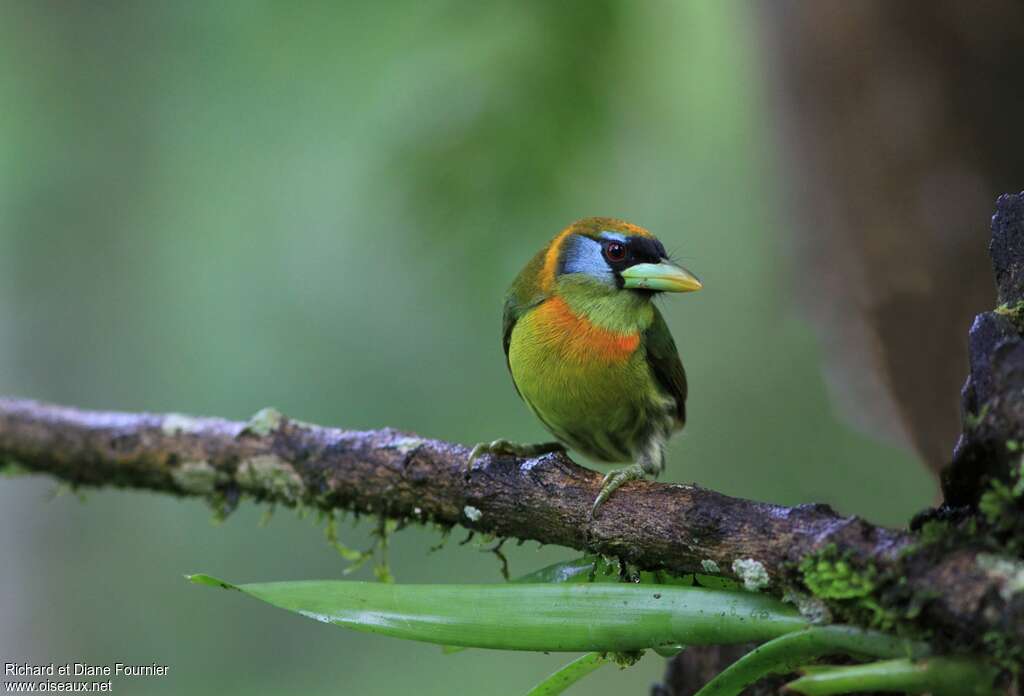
615,254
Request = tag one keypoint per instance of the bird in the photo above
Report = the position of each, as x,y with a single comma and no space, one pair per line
590,353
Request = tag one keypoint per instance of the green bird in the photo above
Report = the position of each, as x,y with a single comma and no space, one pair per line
589,352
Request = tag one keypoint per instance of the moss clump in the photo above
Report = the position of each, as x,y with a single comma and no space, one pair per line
1014,312
997,504
199,477
356,558
625,659
933,532
1006,653
269,475
973,420
832,577
264,422
1001,506
11,468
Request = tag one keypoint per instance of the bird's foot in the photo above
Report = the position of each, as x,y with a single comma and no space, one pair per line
515,449
613,479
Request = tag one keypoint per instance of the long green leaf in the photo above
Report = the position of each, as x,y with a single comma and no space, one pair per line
598,617
942,676
787,653
589,568
569,675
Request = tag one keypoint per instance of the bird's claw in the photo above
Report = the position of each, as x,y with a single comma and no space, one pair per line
480,449
515,449
612,480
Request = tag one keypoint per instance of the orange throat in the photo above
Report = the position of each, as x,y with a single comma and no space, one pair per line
577,338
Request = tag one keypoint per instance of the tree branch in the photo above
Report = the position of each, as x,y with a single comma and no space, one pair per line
679,528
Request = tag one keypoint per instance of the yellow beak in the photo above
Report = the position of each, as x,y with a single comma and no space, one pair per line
664,277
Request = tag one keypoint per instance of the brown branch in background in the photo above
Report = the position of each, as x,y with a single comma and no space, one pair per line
897,126
679,528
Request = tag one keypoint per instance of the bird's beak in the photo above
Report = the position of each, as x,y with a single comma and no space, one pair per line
664,277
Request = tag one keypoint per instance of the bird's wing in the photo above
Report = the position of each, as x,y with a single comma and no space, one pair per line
663,357
524,295
508,321
514,309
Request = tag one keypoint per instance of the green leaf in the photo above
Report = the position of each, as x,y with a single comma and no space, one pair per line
941,676
569,675
589,568
597,617
788,652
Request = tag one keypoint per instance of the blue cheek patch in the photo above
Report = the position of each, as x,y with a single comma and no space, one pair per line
584,255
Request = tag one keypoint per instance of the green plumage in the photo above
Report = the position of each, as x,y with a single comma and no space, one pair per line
618,410
667,368
591,354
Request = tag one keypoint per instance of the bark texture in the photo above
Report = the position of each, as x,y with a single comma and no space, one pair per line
992,401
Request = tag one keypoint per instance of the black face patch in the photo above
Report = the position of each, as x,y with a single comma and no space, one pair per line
620,255
647,250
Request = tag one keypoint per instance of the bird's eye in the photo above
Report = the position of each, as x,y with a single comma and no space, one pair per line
615,251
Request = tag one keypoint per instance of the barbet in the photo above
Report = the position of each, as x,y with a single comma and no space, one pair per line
590,353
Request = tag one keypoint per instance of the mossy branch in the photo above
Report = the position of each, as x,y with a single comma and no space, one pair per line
828,564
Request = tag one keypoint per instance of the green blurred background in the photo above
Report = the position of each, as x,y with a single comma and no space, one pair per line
215,207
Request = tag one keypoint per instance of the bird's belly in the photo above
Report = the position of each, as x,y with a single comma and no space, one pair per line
600,400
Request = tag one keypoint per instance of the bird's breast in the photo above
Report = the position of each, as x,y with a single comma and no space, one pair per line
590,385
554,326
